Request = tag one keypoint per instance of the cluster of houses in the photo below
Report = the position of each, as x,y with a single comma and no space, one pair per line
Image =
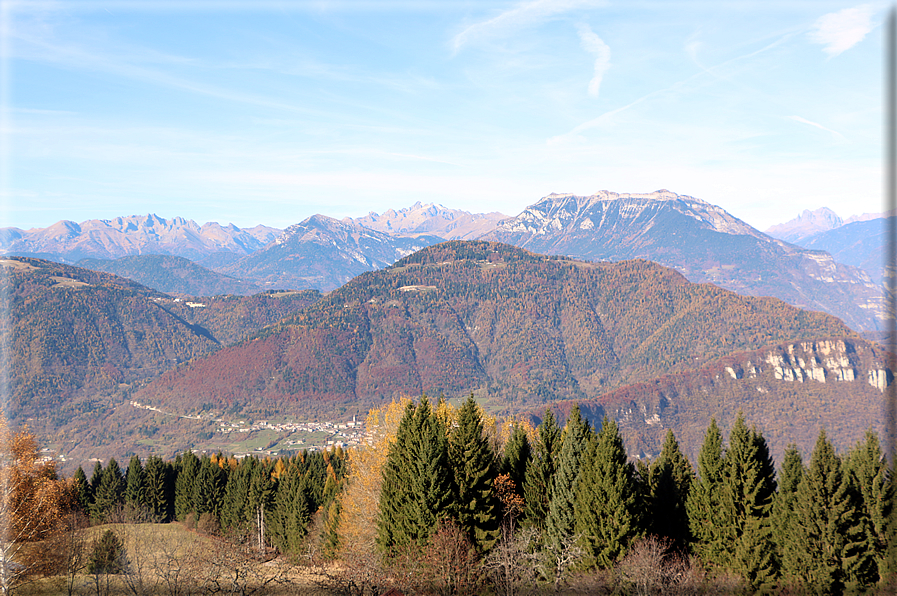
342,434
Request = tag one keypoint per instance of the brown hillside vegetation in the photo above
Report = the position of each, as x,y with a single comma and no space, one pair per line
461,317
790,391
78,336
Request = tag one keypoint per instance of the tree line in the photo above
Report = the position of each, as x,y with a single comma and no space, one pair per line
821,526
452,499
268,501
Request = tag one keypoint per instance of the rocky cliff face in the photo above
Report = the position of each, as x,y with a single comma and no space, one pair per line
818,361
790,391
700,240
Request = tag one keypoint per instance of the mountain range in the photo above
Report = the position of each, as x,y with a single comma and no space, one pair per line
430,219
860,241
630,339
698,239
67,241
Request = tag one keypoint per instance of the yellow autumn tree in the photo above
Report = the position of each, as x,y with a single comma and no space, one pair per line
360,500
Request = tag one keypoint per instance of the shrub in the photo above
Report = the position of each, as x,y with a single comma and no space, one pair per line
208,524
108,555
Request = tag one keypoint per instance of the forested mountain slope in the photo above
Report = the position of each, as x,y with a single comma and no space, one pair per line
488,318
75,336
172,275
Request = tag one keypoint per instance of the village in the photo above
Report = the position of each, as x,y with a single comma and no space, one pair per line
311,436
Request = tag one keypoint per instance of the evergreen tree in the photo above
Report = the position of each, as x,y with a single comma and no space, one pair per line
260,498
472,459
869,473
670,480
135,486
95,478
417,487
288,522
209,488
606,515
516,457
783,511
236,518
110,492
158,487
746,501
703,504
576,438
183,486
829,534
540,473
82,486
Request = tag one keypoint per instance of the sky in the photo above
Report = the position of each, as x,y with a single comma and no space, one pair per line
268,112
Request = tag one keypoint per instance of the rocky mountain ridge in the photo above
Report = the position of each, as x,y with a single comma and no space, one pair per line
700,240
323,253
67,241
436,220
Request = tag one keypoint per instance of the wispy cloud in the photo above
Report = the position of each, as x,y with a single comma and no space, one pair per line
817,125
840,31
595,45
522,15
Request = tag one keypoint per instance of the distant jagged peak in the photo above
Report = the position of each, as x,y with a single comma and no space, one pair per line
318,225
430,219
805,224
869,216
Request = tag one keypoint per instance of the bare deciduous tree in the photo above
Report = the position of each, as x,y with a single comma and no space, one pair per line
511,564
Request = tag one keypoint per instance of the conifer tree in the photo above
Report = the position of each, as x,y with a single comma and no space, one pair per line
288,522
260,497
829,534
158,485
516,457
417,487
869,473
236,518
703,504
606,512
746,501
95,477
209,488
135,489
183,486
539,478
476,506
783,511
82,486
110,492
670,479
576,438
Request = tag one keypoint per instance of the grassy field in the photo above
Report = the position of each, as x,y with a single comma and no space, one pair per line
169,559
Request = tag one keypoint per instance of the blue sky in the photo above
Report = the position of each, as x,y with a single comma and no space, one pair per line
268,112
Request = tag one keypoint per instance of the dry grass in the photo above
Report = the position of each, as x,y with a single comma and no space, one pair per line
169,559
